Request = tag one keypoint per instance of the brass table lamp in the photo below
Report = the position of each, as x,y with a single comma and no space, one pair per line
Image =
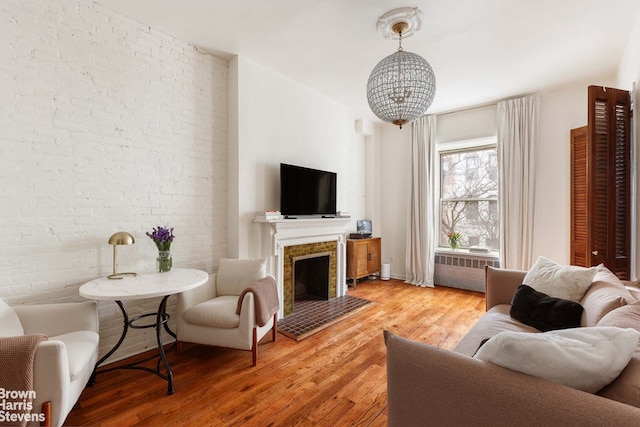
120,238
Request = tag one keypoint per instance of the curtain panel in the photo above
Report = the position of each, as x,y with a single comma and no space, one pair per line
420,258
517,139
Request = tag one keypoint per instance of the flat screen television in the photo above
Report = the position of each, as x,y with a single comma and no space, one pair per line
305,191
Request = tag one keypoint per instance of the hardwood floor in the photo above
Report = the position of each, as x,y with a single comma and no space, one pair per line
335,377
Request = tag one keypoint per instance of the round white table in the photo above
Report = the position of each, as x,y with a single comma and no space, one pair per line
142,286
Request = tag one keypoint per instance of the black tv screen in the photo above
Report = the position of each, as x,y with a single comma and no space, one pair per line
305,191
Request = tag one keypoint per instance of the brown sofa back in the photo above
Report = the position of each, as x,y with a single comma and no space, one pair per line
501,284
427,385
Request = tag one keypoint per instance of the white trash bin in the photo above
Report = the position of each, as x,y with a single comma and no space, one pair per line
385,271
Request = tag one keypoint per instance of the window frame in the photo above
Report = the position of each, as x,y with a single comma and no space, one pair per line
458,146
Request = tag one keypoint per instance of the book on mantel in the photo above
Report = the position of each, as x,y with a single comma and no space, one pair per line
268,216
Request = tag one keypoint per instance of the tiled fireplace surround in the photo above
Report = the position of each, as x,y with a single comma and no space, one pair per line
283,240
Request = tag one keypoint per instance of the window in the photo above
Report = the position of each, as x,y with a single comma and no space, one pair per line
469,195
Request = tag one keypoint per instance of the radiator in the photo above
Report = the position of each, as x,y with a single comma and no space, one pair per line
462,270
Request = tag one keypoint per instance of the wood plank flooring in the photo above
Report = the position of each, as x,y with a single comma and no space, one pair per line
335,377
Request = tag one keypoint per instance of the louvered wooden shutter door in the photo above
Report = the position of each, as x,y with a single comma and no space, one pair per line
599,164
609,181
621,110
580,244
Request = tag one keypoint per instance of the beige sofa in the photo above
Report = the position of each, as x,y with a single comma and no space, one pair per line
428,385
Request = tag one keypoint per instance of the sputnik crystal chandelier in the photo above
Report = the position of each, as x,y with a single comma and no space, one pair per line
402,86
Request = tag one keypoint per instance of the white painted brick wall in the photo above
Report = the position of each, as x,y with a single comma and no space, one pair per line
105,125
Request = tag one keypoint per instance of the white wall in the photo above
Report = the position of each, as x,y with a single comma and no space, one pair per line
105,125
395,148
629,68
629,78
280,121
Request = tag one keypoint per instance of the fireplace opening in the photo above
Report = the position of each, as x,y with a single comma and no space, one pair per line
311,277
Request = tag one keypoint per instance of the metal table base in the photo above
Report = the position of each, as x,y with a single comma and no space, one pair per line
161,321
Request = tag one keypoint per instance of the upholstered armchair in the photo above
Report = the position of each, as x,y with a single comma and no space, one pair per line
212,315
64,362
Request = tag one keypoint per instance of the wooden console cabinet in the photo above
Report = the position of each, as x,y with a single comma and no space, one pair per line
363,258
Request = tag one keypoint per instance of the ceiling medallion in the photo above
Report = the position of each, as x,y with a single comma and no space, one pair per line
402,86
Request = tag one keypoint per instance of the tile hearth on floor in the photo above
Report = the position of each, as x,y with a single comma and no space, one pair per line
311,316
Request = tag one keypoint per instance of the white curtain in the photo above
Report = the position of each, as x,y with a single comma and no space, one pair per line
517,140
422,207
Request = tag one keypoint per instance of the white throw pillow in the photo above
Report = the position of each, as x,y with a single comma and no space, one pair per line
586,359
560,281
235,275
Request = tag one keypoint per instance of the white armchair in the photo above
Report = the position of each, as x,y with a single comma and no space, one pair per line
207,314
63,364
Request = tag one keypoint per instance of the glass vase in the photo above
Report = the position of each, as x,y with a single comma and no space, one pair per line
453,243
164,262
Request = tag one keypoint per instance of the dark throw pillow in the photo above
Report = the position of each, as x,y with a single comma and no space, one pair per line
483,342
543,312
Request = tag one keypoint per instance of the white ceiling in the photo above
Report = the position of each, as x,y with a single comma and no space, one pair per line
480,50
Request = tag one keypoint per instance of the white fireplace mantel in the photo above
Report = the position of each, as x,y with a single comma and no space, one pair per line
275,235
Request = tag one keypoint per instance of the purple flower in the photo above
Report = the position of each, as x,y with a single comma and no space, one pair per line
162,237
